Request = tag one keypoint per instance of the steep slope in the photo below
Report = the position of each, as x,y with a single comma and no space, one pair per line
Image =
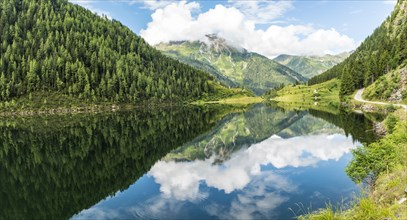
390,87
56,46
231,66
385,50
309,66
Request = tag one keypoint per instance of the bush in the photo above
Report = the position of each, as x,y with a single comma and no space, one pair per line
390,123
374,159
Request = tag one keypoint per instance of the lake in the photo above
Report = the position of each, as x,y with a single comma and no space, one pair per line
210,162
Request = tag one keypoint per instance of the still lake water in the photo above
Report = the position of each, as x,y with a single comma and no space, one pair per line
186,163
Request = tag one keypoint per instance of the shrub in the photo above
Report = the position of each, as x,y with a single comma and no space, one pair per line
390,123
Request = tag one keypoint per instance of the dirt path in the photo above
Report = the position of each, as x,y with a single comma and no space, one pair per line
358,97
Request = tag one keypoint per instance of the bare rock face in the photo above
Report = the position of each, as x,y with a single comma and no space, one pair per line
379,129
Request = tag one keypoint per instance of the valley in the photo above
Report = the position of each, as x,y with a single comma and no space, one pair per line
173,114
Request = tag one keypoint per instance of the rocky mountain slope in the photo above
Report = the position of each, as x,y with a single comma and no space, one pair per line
309,66
232,66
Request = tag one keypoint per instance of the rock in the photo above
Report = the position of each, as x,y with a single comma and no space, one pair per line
401,200
344,104
368,108
379,129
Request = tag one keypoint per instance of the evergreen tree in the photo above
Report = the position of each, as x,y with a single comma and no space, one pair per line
56,46
381,52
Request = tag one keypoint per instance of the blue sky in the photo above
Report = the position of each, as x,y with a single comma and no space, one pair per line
267,27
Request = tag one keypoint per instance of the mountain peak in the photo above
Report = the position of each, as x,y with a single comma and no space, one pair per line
216,44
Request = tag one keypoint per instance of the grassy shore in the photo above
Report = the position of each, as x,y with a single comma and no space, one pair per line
326,94
234,100
44,103
50,103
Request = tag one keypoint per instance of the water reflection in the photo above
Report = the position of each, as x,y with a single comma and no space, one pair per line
181,180
256,164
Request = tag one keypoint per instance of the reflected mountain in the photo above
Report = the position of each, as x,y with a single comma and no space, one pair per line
309,125
241,130
53,167
237,131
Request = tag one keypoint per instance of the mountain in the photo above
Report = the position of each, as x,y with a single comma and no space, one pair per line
230,65
56,46
309,66
382,52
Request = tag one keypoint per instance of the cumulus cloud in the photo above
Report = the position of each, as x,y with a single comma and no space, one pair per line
237,24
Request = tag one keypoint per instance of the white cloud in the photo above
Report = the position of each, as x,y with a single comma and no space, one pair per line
175,22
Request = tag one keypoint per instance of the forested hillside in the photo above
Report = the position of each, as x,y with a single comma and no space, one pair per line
57,46
234,67
383,51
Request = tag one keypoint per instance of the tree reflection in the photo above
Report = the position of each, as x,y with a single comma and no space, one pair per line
53,167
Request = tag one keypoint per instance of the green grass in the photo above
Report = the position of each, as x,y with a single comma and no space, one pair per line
323,93
383,87
324,96
47,101
223,93
237,100
58,103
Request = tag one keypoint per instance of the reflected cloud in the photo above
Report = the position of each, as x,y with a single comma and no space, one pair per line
181,180
97,213
258,201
